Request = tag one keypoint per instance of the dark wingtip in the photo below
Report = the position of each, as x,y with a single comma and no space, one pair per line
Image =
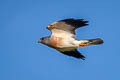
75,22
81,57
75,54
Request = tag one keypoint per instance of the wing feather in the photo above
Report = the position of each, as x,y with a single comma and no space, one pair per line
66,27
76,23
74,53
68,24
63,33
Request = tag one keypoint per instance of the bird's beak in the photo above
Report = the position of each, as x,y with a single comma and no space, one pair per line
48,27
39,41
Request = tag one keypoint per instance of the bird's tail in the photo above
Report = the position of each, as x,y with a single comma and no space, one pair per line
96,41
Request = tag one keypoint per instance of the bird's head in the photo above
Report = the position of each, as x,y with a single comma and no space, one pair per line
44,40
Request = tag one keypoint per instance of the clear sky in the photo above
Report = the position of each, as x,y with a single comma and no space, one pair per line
23,22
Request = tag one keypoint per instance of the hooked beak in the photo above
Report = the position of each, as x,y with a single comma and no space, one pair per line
39,41
48,27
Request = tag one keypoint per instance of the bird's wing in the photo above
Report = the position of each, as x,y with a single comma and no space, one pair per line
66,27
74,53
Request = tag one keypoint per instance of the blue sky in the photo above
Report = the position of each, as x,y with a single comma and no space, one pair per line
23,22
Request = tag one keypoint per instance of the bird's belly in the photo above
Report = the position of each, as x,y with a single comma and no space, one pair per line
60,42
56,42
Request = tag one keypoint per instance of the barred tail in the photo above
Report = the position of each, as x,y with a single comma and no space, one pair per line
96,41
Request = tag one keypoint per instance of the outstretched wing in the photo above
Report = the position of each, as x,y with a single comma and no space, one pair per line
74,53
66,27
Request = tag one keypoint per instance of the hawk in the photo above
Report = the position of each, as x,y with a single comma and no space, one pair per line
63,37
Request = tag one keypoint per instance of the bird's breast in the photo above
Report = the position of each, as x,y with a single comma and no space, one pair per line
56,42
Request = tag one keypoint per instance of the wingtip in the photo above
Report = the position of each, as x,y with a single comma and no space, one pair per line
81,57
75,22
74,53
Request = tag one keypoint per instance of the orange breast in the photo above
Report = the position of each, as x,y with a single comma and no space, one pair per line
56,41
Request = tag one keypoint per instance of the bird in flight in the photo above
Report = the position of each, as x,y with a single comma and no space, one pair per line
63,37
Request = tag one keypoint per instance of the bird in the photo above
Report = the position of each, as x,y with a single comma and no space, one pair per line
63,37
